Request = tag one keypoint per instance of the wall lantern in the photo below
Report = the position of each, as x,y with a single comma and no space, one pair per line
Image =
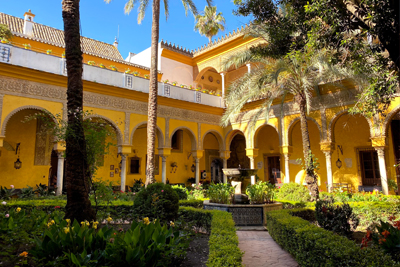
18,163
174,166
339,162
193,168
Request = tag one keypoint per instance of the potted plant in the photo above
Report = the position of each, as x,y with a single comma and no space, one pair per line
49,51
63,55
147,76
112,67
135,73
128,71
182,86
91,63
27,46
191,87
174,83
205,91
101,65
165,81
211,92
4,40
198,88
218,94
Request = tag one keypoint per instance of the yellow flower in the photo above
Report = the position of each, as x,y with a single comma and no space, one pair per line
52,222
109,219
83,223
87,223
146,220
172,223
68,221
18,209
66,230
24,254
95,224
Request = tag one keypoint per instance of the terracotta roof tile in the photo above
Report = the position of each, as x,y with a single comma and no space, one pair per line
54,36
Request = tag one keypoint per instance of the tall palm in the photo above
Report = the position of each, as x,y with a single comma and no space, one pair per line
299,75
153,88
209,23
78,204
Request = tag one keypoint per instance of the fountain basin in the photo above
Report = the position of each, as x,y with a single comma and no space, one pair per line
245,214
239,173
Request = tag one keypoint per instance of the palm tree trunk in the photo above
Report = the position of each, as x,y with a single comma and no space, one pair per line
153,91
311,177
78,205
210,39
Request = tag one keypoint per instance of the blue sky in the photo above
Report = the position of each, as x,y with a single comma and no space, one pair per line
100,21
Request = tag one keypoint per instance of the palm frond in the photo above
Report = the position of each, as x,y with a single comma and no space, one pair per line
142,10
166,9
129,6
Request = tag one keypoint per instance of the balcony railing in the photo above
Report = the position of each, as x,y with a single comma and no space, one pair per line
52,64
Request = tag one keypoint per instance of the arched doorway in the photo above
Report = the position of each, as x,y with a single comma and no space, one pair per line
238,153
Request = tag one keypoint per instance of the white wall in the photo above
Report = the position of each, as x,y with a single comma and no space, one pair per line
144,58
176,71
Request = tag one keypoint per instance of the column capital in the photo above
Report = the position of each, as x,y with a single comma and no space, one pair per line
222,73
164,151
286,149
378,141
252,152
327,146
125,149
59,146
380,150
226,154
197,154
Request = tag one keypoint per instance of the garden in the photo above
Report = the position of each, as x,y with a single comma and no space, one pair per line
164,225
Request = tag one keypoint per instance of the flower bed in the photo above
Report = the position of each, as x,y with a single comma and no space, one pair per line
311,245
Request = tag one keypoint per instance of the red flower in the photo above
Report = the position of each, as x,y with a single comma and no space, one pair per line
324,209
57,207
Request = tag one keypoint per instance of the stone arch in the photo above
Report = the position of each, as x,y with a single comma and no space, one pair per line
201,73
159,134
254,140
192,136
218,136
388,119
15,111
288,136
112,123
230,135
330,130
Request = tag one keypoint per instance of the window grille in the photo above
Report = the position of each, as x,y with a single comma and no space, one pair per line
4,53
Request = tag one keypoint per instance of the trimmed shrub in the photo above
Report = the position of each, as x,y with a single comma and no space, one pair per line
181,191
337,218
157,201
314,246
195,203
293,192
223,243
199,217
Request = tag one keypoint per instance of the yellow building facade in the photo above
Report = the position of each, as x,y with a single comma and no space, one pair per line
352,150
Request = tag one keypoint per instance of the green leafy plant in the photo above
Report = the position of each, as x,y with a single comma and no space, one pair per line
137,185
101,65
293,192
261,192
147,76
26,193
6,193
197,192
43,190
91,63
113,67
181,191
221,193
393,185
337,218
157,201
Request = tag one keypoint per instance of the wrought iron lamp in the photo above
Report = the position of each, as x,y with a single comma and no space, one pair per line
193,168
18,163
339,162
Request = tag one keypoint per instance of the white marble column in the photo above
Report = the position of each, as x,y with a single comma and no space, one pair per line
60,173
223,83
164,169
287,175
248,67
328,157
252,166
382,169
197,170
225,165
123,172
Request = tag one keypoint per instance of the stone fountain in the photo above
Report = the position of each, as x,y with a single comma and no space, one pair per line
243,213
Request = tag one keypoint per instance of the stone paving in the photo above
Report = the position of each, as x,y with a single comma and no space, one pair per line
261,250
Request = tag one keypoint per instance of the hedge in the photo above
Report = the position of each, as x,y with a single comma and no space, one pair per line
314,246
223,242
195,203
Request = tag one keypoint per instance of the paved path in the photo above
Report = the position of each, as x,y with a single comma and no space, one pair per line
261,250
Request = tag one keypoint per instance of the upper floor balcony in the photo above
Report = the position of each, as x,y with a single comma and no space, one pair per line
27,58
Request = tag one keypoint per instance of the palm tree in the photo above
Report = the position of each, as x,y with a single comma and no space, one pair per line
210,23
297,74
78,204
153,88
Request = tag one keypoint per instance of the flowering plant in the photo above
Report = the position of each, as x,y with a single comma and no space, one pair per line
27,46
135,73
49,51
147,76
387,237
182,86
91,63
4,40
128,71
101,65
174,83
113,67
